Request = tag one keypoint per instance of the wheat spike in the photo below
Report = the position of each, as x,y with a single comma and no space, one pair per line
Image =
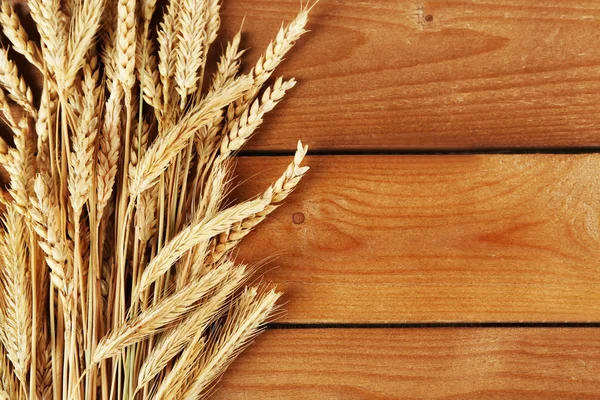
278,192
229,63
244,126
164,149
108,151
125,45
190,47
84,141
14,84
52,26
85,21
167,57
17,314
191,236
14,31
46,223
247,314
175,339
157,317
273,56
20,166
9,387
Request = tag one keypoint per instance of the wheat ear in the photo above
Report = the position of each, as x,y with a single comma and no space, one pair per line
108,150
190,47
52,27
9,387
17,314
46,218
83,28
247,314
175,339
84,140
244,126
125,45
191,236
155,318
278,192
164,149
14,84
14,31
229,63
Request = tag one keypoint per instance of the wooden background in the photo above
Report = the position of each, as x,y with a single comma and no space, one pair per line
446,242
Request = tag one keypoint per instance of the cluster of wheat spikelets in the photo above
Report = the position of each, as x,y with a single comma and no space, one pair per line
117,278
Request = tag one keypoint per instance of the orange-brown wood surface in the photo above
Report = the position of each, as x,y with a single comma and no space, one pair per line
434,238
443,74
418,363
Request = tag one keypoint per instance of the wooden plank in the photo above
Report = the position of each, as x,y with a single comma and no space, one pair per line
433,238
435,74
418,363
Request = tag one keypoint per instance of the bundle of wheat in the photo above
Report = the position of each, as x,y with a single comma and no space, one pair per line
117,275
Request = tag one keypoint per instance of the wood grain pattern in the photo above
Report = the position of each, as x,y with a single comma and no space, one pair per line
437,74
418,363
434,238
